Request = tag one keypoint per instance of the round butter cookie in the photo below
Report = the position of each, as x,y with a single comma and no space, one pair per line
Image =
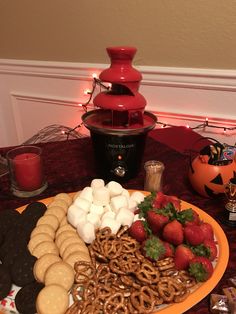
56,211
44,248
62,236
59,202
42,264
66,227
51,220
68,241
38,238
60,273
74,247
43,229
64,221
76,257
52,299
65,197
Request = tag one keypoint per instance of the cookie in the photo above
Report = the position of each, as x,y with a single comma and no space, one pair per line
43,229
60,273
62,236
65,197
44,248
51,220
22,269
64,221
25,298
38,238
5,282
68,241
76,257
66,227
32,213
8,219
11,255
59,202
57,211
42,264
52,299
74,247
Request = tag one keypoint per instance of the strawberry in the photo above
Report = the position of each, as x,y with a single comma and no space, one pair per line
159,200
153,248
193,235
137,231
169,249
175,201
194,220
183,256
156,221
201,268
173,232
208,249
207,230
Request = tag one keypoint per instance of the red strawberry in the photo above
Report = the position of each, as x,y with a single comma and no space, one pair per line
207,230
201,268
175,201
137,231
193,235
156,221
173,232
153,248
211,246
183,256
169,249
194,221
159,200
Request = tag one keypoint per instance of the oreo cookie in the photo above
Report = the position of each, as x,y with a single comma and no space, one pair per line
5,282
22,269
25,299
8,218
33,212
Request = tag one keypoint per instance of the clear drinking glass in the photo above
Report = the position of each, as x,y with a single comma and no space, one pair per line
153,177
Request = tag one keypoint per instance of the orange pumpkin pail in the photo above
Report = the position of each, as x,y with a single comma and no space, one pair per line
209,180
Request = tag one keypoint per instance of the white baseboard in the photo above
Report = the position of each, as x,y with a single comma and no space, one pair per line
179,96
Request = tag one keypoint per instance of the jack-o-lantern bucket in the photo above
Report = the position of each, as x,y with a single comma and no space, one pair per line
209,180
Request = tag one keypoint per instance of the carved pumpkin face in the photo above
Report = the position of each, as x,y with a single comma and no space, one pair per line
210,180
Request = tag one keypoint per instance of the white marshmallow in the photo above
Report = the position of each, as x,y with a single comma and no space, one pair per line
114,188
87,232
118,201
113,224
82,203
137,196
136,217
97,183
132,205
125,217
75,214
94,219
110,214
125,193
96,209
87,193
107,208
101,196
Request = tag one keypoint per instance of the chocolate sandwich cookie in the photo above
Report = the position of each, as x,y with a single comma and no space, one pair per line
22,269
25,299
8,219
5,282
34,211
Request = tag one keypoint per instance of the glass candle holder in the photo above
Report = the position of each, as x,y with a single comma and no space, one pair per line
26,171
230,192
153,178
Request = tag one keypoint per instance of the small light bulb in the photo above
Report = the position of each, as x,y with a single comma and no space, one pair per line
187,126
87,91
94,75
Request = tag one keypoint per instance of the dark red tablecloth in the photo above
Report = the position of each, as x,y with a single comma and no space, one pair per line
69,166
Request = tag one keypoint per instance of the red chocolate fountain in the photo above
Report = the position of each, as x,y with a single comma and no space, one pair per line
119,127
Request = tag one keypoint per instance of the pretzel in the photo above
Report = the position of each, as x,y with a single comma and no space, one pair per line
122,231
129,245
143,300
186,279
166,263
89,293
77,292
112,248
128,263
115,304
84,271
74,308
169,288
147,273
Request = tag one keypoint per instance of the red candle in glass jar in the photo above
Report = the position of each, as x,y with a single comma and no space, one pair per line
28,171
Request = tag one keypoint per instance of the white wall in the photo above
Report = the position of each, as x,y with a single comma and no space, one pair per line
36,94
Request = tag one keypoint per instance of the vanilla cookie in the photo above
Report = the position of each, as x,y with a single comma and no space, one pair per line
51,220
62,236
38,238
76,257
66,227
44,248
57,211
60,273
52,299
64,221
65,197
43,229
68,241
59,202
74,247
42,264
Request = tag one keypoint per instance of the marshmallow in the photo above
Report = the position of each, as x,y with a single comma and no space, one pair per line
97,183
96,209
113,224
107,208
114,188
118,201
110,214
94,219
82,203
125,193
87,193
75,214
125,217
87,232
137,196
136,217
132,205
101,196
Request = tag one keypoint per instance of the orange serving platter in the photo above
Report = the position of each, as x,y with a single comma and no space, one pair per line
203,289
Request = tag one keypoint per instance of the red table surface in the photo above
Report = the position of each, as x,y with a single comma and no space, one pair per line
69,166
